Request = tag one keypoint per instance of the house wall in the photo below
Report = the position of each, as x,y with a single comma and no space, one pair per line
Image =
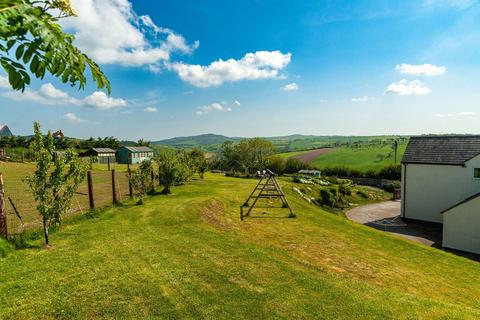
461,225
428,189
138,157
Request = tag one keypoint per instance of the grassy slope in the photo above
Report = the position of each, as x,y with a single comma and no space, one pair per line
188,256
362,158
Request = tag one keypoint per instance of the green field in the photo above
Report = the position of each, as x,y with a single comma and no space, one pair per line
188,256
360,158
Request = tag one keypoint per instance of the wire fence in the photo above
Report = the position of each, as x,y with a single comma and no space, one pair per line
106,188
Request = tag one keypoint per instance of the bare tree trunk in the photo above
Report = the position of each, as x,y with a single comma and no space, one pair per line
45,231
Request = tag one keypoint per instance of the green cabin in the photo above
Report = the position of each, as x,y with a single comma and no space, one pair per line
132,155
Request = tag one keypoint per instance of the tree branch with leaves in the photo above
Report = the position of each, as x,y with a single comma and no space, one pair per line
33,43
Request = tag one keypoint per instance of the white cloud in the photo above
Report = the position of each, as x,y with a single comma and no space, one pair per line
112,33
421,69
290,87
150,110
4,84
455,115
237,103
48,94
408,88
459,4
101,101
253,66
360,99
212,107
72,118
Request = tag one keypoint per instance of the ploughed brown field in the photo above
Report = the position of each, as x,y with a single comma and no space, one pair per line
309,156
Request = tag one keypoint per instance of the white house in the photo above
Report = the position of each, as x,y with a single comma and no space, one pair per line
441,183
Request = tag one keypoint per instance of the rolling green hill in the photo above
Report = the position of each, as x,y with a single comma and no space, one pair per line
296,142
188,256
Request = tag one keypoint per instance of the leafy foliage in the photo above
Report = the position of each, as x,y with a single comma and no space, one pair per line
140,179
198,161
173,169
33,43
248,156
56,179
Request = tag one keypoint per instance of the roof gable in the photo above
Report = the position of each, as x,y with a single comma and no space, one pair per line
446,150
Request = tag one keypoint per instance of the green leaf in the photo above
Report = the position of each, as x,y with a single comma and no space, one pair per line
19,52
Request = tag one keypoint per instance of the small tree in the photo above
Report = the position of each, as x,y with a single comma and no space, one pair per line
140,179
172,170
55,181
198,161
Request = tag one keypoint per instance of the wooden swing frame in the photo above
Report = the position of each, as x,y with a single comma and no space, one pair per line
267,188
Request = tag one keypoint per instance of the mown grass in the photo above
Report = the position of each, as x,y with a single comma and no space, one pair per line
187,255
17,190
360,158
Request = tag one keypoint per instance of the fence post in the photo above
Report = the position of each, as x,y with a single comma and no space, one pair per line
130,189
90,190
3,212
114,189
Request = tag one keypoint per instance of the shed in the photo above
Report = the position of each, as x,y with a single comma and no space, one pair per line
104,155
132,155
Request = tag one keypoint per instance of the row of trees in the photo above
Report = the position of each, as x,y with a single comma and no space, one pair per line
252,155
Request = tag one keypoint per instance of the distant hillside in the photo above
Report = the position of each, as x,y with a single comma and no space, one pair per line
5,131
196,141
295,142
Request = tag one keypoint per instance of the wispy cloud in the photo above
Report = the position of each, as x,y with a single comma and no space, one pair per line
212,107
237,103
150,110
456,115
408,88
290,87
253,66
421,69
73,118
360,99
458,4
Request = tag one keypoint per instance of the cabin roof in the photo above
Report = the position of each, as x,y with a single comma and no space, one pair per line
103,150
444,150
139,149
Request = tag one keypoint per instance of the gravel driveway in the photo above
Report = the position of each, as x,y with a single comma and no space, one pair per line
386,216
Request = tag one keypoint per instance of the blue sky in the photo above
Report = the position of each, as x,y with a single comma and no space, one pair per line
310,67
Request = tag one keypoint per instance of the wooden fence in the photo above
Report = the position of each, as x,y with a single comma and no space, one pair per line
100,189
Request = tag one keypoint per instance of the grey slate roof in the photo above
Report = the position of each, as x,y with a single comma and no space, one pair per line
447,150
139,149
103,150
476,195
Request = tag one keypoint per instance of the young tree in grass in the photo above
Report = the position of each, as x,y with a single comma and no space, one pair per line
140,179
198,161
55,181
33,43
172,170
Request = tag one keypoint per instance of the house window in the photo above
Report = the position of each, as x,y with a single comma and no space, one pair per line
476,173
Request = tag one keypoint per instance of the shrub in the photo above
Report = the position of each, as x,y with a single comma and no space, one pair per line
362,194
141,180
391,187
327,198
277,164
345,190
5,248
293,165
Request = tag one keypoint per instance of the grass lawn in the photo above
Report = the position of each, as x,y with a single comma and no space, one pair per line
187,255
361,158
15,187
291,154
